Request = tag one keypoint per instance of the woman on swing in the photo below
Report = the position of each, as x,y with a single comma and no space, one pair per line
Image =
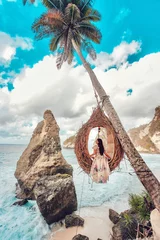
100,168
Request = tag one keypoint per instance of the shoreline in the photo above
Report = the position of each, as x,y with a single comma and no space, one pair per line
97,225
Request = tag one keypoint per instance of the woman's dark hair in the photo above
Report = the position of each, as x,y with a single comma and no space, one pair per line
100,145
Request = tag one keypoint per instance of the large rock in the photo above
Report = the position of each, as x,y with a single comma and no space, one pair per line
55,197
128,224
80,237
114,216
42,157
69,142
125,228
44,175
73,220
146,138
20,203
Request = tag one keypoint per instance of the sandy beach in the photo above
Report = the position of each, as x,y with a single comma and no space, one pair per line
97,225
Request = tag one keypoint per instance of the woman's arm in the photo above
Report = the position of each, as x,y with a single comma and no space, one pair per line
94,153
106,154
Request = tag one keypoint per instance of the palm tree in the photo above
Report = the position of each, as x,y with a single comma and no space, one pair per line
69,23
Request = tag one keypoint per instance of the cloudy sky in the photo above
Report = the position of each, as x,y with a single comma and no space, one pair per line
127,66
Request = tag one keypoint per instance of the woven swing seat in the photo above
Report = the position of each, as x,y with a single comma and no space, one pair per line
114,148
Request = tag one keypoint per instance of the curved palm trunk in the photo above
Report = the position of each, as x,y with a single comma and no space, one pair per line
145,175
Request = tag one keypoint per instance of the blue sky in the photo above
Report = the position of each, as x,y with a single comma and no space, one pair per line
131,38
121,20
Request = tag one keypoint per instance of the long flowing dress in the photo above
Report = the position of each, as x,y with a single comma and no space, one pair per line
100,170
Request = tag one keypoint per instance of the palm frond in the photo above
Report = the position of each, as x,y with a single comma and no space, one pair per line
66,43
50,4
88,47
54,42
51,21
60,58
43,33
54,4
54,18
90,31
87,3
70,56
92,15
72,13
77,37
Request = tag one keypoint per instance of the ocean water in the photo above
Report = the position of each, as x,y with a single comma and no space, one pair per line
26,222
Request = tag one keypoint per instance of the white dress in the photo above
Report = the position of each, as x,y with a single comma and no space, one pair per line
100,170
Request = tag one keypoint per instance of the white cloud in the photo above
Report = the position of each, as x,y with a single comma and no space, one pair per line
23,43
68,93
8,46
118,57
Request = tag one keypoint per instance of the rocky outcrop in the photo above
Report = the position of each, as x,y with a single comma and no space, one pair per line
127,224
80,237
146,138
55,197
73,220
125,228
44,175
20,203
69,142
42,157
114,216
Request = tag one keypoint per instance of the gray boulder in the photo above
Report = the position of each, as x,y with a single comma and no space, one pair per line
56,197
20,203
73,220
126,227
80,237
114,216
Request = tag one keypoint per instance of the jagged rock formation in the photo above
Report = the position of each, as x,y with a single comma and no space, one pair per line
42,161
146,138
55,197
69,142
126,225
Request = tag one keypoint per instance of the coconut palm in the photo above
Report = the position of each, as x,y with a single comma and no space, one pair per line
69,24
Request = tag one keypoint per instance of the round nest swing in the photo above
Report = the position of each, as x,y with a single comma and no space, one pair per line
114,148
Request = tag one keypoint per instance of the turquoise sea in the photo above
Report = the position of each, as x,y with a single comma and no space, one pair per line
26,223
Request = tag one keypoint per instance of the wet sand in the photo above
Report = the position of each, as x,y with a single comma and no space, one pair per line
97,225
